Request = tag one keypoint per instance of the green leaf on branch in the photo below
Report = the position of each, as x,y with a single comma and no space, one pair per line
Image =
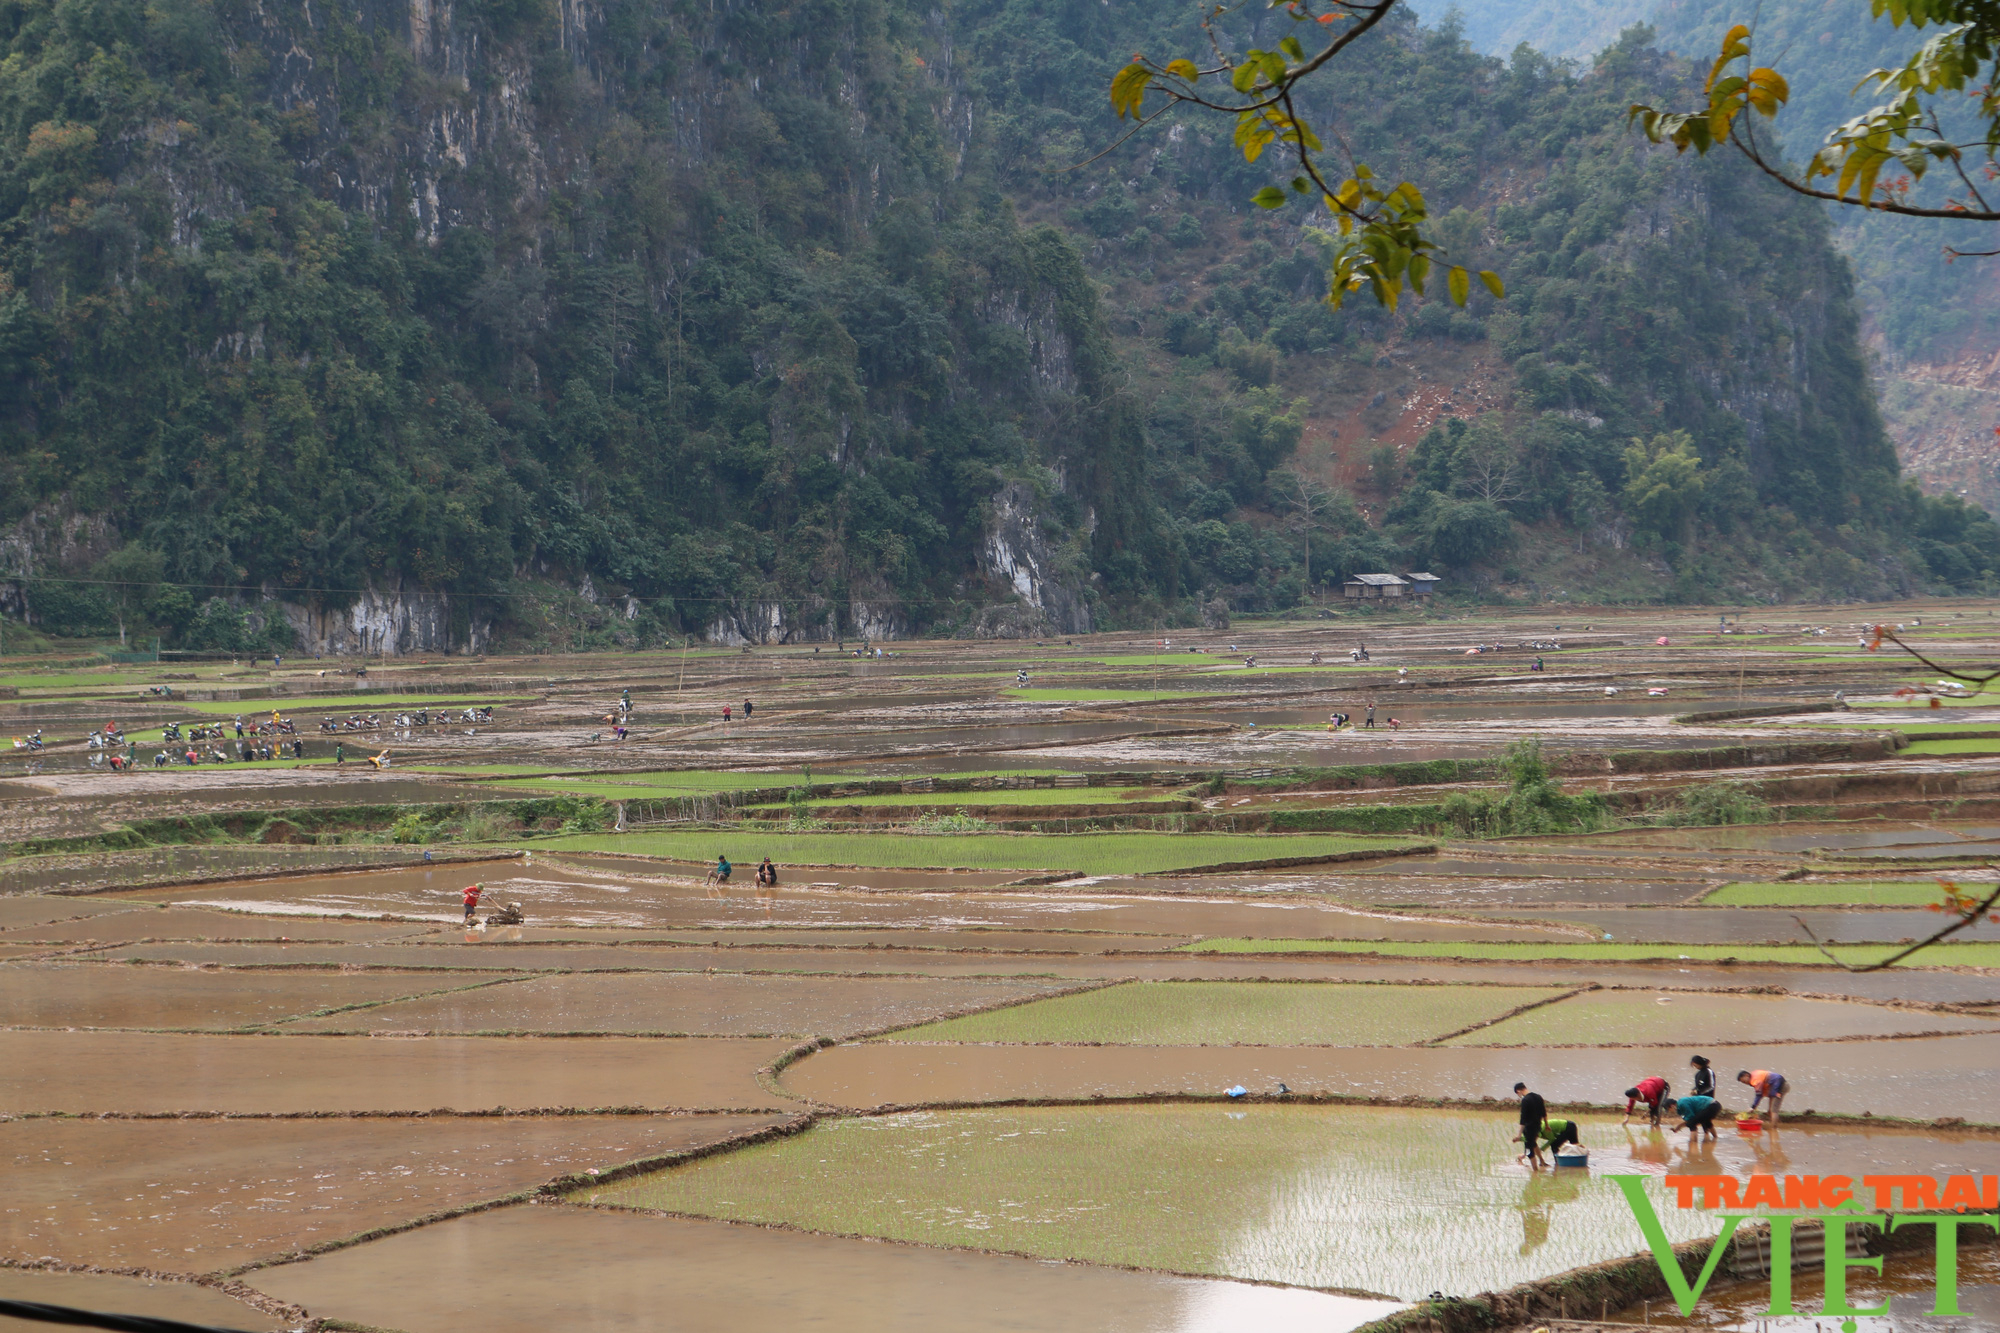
1128,88
1493,284
1269,197
1183,69
1458,283
1252,135
1762,90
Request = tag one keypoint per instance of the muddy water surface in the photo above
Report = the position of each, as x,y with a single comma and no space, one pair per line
531,1269
31,909
686,1004
1681,1019
869,877
195,1196
634,908
128,1295
1875,834
1921,1079
1929,986
106,995
1415,886
1002,941
196,923
1728,925
152,1073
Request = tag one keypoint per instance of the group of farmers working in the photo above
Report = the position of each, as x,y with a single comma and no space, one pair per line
1695,1112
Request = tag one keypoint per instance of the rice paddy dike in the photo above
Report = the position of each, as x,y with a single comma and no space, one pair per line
1134,995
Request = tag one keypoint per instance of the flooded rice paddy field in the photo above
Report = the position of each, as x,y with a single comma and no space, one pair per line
240,1058
530,1269
140,1073
153,1297
1234,1013
1923,1079
1371,1200
215,1194
683,1004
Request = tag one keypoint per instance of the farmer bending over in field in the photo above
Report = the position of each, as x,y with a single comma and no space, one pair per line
1696,1114
1647,1090
1763,1083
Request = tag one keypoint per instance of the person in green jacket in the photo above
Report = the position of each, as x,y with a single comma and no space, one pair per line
1557,1131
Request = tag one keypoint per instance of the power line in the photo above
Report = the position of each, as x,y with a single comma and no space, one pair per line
128,1323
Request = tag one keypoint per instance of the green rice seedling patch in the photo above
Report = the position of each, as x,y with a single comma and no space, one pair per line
1063,694
1648,1018
675,782
1086,853
1190,660
1139,798
1364,1199
1262,670
1947,954
1965,745
1251,1013
1917,893
481,770
327,704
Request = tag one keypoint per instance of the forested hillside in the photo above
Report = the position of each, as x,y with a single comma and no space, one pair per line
1672,400
586,325
1933,324
700,315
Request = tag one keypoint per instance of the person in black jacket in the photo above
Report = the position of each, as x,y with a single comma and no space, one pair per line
1704,1077
1533,1112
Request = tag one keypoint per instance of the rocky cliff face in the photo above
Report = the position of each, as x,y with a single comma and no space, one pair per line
705,305
389,622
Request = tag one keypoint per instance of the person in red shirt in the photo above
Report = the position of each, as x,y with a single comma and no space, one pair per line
1649,1091
472,892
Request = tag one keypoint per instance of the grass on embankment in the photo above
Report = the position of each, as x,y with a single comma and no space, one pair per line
1085,853
1948,954
1920,893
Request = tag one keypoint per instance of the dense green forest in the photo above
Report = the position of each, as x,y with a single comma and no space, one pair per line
1680,336
757,320
1922,306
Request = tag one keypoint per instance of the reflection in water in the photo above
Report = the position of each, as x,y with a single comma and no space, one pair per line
1544,1191
1649,1146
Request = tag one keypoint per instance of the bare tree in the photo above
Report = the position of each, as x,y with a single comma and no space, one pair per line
1961,908
1305,505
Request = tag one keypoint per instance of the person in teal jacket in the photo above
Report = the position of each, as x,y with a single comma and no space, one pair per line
1696,1114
